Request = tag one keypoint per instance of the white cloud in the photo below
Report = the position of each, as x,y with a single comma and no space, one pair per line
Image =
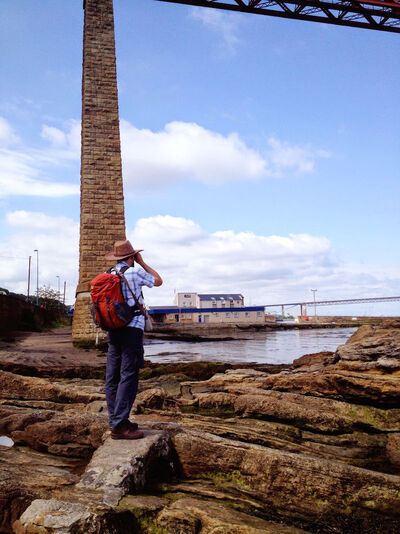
7,134
56,136
286,157
181,151
57,240
65,144
223,24
187,151
266,269
26,172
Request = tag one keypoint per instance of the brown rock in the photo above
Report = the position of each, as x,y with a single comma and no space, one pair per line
313,490
216,401
393,449
23,387
372,387
196,516
152,398
243,378
69,434
318,414
26,475
314,362
55,516
305,412
370,344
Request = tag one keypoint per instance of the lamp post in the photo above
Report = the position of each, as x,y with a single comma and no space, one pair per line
37,276
315,306
29,276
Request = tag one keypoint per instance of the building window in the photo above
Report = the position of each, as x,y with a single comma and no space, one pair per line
170,316
235,314
247,314
227,314
222,304
258,314
188,315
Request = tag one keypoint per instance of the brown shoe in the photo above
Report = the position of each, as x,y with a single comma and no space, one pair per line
126,433
133,425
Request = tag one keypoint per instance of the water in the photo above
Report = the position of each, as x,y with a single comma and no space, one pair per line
259,347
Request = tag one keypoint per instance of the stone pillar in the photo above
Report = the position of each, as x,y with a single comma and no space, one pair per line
102,218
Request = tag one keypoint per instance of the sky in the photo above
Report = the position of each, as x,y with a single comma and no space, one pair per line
260,155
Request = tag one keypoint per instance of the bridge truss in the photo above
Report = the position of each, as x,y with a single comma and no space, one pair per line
381,15
303,305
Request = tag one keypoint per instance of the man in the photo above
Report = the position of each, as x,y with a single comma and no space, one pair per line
125,345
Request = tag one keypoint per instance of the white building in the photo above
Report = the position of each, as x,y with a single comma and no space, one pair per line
226,308
208,300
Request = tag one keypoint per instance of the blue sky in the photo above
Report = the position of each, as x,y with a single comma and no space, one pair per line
260,155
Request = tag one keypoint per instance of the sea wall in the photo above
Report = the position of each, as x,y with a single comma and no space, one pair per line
16,314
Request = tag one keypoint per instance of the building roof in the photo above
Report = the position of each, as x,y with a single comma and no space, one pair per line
220,296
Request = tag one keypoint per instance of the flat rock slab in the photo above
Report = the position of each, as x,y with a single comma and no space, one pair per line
121,466
54,516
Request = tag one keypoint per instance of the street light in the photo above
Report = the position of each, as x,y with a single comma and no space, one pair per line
315,306
29,277
37,276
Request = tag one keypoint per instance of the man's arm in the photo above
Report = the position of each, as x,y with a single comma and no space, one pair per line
157,278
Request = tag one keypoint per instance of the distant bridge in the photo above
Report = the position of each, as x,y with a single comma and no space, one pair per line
303,305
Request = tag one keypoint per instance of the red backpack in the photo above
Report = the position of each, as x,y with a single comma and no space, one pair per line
109,308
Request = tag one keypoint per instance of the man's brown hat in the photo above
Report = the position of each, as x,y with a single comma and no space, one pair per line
122,249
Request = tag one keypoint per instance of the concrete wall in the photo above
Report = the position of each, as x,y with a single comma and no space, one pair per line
15,314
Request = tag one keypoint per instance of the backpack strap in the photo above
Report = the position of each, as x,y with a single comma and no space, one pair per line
120,273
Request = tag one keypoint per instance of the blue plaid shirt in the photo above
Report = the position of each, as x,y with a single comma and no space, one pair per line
136,278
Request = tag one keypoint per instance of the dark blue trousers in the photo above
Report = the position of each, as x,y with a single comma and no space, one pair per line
124,359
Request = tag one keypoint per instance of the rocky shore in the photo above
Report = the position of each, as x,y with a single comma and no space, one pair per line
314,447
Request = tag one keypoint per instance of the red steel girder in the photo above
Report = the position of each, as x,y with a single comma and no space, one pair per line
383,15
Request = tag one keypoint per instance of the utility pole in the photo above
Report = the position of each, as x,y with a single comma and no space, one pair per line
65,287
58,291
